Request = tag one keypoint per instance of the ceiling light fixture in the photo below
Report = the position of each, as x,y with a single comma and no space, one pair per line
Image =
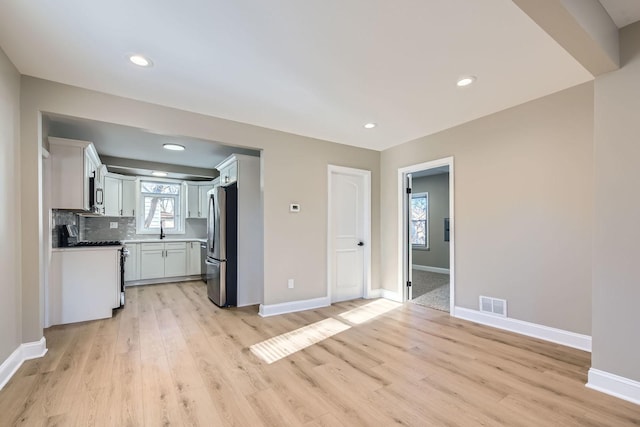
173,147
140,60
158,173
370,125
466,81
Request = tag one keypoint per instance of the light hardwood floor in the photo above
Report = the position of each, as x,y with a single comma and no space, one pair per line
170,357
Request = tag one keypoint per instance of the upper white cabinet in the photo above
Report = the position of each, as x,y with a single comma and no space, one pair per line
73,163
112,195
128,196
228,170
119,195
197,198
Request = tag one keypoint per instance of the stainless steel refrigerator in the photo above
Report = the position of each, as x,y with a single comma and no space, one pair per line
222,245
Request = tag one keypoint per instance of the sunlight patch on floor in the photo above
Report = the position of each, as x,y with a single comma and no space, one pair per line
283,345
369,311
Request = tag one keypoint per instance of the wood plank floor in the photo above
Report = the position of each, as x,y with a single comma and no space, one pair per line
171,358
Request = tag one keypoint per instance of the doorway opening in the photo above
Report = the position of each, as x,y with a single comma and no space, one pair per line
427,234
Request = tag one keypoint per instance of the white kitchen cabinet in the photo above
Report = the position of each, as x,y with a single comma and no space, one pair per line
175,261
160,260
73,162
204,201
84,284
193,259
131,266
151,260
193,201
112,195
197,198
128,196
119,195
228,170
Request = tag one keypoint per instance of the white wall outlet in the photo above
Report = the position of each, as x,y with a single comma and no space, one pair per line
290,283
113,224
294,207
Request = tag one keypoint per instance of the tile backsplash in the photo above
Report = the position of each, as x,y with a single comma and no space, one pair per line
98,228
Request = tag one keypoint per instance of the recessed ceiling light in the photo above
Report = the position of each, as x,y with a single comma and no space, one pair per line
140,60
466,81
158,173
370,125
174,147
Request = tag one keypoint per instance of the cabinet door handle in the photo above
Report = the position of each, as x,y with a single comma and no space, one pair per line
120,212
133,212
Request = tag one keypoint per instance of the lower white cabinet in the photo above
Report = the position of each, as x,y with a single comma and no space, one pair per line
175,259
160,260
194,267
131,265
84,284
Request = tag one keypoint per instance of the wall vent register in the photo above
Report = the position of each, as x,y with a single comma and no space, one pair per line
493,305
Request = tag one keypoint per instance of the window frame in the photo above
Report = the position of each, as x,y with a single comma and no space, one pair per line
180,206
426,245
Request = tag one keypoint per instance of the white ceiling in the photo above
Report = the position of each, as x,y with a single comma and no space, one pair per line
623,12
139,144
320,68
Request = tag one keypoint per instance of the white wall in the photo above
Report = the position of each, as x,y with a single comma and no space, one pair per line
294,170
616,249
10,326
523,207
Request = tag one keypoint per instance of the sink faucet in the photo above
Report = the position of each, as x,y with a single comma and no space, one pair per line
162,235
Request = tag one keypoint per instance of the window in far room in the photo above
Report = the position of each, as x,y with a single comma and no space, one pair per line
420,221
161,203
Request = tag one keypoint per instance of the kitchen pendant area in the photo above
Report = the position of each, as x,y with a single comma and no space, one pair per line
124,210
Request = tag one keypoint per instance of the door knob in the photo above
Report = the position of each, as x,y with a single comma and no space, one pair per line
360,243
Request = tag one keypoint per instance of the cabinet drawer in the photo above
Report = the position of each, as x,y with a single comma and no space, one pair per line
151,246
176,245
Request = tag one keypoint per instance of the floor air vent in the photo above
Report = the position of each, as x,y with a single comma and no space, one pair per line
494,306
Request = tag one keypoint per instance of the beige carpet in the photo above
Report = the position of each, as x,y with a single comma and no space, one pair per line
431,289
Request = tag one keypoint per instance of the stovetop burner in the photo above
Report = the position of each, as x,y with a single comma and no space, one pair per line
99,243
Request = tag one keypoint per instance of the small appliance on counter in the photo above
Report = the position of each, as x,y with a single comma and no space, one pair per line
68,235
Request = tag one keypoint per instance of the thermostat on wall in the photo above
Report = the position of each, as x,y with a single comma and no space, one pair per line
294,207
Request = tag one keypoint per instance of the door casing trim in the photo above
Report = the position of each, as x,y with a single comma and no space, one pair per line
403,217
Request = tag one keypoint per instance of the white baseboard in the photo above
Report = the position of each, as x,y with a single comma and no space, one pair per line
391,295
558,336
431,269
26,351
373,293
293,306
614,385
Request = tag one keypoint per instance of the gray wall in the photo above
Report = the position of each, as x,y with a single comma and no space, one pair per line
616,281
295,244
523,207
438,188
10,320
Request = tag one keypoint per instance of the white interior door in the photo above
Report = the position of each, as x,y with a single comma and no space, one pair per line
347,235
